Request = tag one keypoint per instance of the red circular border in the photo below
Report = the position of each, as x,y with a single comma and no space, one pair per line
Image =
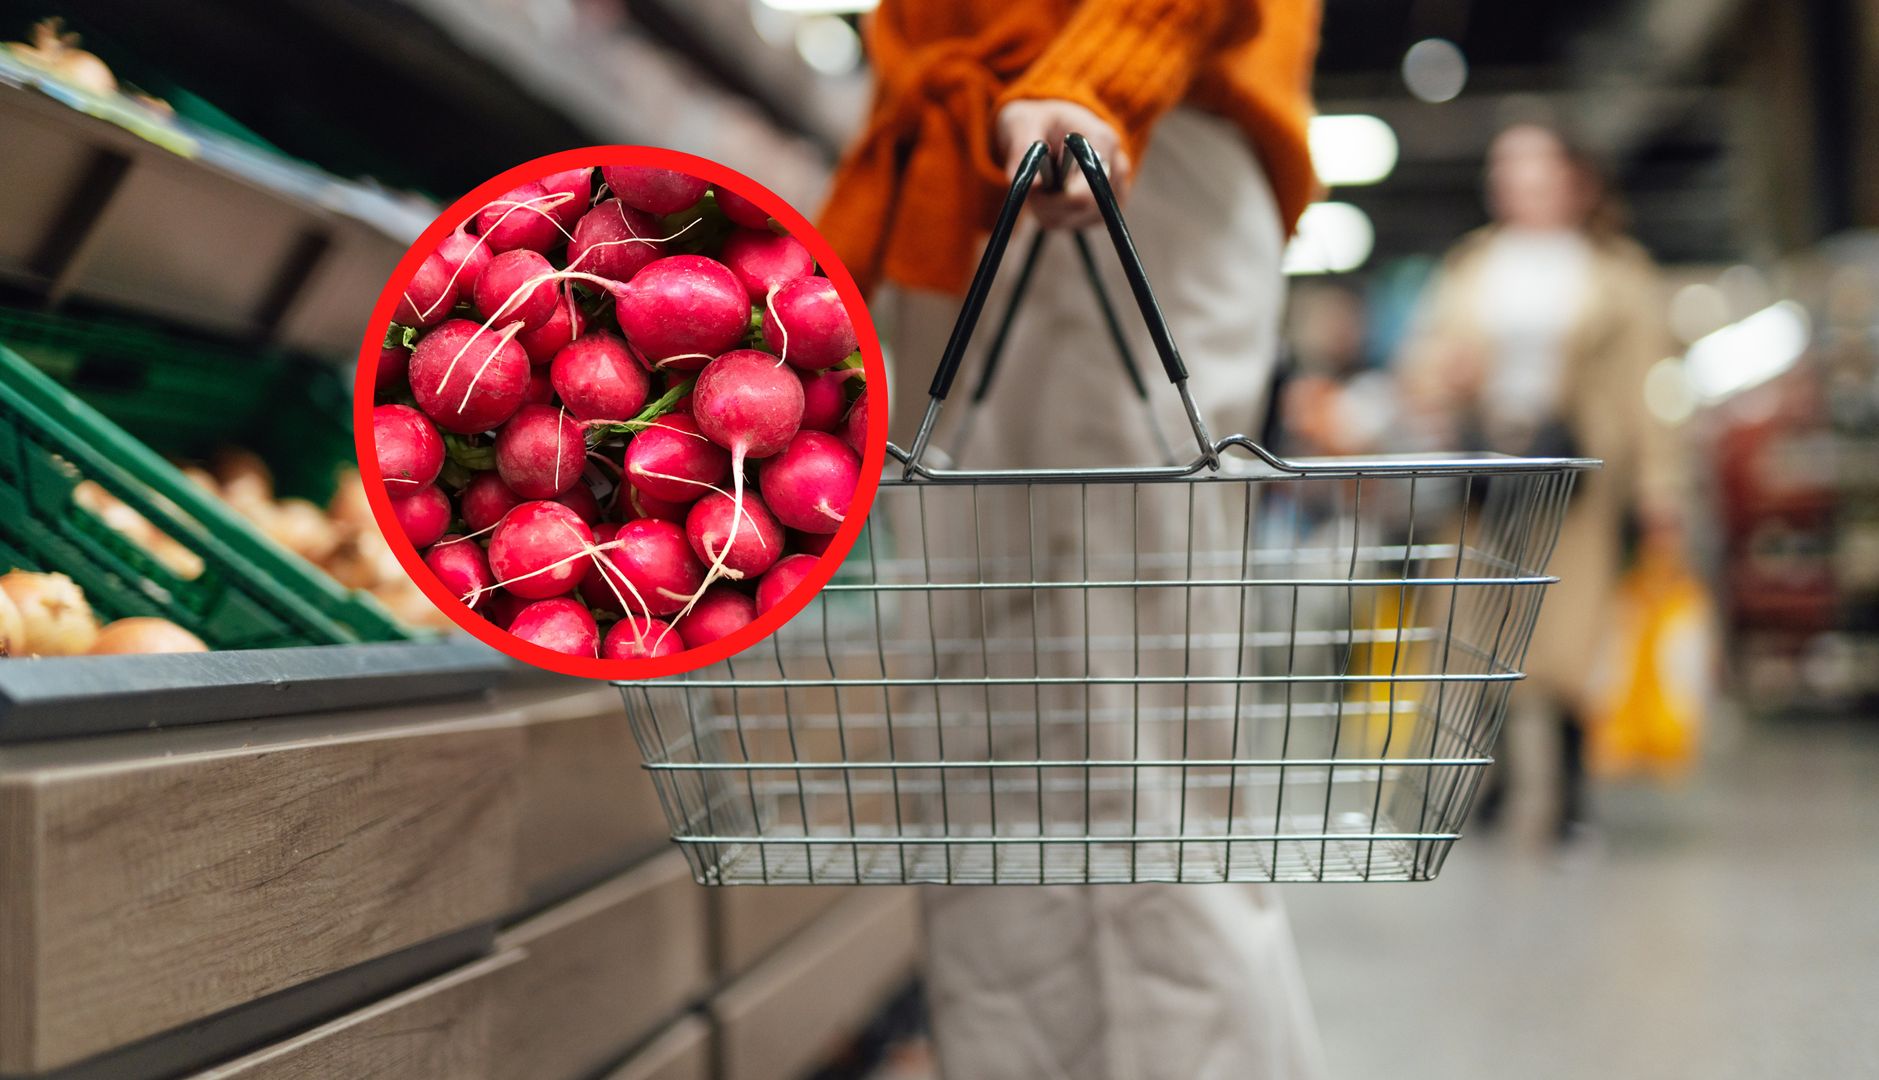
873,366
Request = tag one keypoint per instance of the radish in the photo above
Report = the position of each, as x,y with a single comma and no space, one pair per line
641,505
598,379
782,579
578,187
423,515
758,539
485,500
810,485
539,550
580,499
560,624
501,607
518,285
653,567
720,612
430,294
656,191
564,325
615,241
468,379
855,428
597,591
683,310
540,452
636,638
825,398
808,543
745,402
807,325
392,362
522,220
467,256
763,260
742,211
541,390
671,460
462,567
410,452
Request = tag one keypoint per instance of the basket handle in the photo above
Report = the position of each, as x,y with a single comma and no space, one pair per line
1035,161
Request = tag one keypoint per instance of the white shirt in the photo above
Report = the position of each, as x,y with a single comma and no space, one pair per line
1533,289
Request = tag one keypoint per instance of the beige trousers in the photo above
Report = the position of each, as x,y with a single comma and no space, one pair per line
1127,982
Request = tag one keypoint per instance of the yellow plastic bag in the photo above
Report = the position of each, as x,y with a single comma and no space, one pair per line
1648,710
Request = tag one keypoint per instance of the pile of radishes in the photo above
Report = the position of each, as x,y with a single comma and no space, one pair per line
620,413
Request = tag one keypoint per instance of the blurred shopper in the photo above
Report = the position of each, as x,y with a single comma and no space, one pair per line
1536,339
1199,110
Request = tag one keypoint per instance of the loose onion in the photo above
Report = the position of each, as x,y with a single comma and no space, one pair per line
54,615
12,628
145,635
302,528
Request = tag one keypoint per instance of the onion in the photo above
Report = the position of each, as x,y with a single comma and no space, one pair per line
145,635
53,613
348,506
57,52
302,528
12,628
244,477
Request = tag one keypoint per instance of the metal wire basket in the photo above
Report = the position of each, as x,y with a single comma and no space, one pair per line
1243,668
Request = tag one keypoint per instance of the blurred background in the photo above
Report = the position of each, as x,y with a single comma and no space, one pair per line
1674,878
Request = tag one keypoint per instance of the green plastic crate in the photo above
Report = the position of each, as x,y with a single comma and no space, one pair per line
250,593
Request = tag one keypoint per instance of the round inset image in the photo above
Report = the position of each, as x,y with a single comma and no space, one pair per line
613,412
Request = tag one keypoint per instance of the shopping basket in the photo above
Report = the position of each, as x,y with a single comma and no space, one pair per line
1241,668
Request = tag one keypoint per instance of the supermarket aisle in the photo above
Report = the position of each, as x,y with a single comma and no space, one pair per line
1727,933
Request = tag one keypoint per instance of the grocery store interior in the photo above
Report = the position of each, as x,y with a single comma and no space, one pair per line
343,843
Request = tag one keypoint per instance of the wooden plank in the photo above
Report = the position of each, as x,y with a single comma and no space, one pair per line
437,1030
603,971
162,877
587,808
792,1010
680,1052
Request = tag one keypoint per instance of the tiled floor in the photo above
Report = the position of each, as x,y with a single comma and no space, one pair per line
1727,931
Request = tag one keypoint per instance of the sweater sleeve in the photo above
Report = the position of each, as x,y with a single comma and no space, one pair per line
1129,61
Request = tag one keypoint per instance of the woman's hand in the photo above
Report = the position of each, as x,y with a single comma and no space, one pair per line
1021,123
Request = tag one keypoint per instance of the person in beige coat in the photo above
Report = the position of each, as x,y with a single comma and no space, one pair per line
1536,338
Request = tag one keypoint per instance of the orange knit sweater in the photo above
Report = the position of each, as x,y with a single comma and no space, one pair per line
912,197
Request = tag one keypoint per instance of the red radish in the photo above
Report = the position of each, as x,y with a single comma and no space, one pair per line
544,341
430,294
682,310
541,390
501,607
653,567
758,539
410,452
504,291
763,260
615,241
782,579
423,515
855,428
641,505
578,186
671,460
485,500
540,452
636,638
560,624
656,191
807,325
810,485
808,543
392,362
596,592
467,256
539,550
522,219
742,211
722,611
468,379
598,379
462,567
745,402
580,499
825,398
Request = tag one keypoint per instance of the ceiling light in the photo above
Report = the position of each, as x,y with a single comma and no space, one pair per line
1435,70
1351,150
828,44
1333,238
1748,353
